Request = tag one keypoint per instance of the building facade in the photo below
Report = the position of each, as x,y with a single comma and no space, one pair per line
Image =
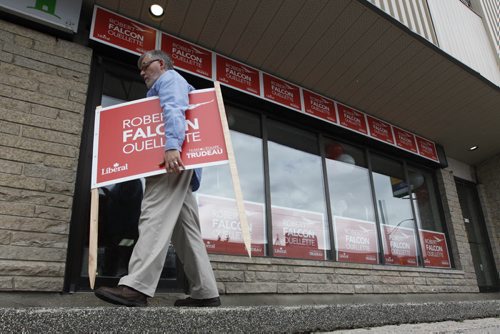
352,123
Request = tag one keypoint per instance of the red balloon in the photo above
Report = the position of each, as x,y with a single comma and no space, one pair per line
334,150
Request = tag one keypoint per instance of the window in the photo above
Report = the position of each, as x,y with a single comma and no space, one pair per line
300,228
218,213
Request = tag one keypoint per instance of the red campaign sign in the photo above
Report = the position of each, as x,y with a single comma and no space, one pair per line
220,226
319,106
237,75
427,148
129,138
380,130
405,139
118,31
400,245
352,119
281,92
355,240
434,249
298,234
187,56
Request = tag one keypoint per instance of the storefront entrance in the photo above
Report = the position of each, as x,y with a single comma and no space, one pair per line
112,82
478,236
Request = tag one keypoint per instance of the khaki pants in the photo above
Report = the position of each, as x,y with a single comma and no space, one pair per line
169,211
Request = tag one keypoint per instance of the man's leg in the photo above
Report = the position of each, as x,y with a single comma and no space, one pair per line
188,244
163,200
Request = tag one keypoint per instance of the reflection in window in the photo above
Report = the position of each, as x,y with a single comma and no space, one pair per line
424,198
348,182
351,202
297,196
395,212
218,212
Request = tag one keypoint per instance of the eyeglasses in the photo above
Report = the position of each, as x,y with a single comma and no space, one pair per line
146,65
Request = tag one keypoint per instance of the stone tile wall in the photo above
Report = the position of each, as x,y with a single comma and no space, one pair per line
43,87
488,174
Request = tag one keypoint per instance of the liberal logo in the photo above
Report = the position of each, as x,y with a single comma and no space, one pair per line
115,169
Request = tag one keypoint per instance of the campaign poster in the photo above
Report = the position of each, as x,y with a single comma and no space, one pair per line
352,119
400,245
319,106
427,148
299,234
434,249
120,32
281,92
220,226
129,138
380,130
237,75
187,56
405,140
355,240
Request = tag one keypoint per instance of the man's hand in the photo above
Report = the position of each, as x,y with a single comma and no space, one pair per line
172,161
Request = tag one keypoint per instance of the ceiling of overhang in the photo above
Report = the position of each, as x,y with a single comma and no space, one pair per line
346,50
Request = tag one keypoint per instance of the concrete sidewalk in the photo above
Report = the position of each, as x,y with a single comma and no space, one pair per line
475,326
83,313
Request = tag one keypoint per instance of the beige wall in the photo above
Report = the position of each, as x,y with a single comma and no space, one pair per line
43,85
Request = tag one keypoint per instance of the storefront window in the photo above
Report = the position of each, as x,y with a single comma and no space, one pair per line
394,212
218,212
431,229
298,202
351,203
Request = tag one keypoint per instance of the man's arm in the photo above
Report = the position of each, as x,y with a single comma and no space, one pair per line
173,92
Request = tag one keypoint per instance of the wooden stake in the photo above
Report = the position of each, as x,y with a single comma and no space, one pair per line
94,221
245,230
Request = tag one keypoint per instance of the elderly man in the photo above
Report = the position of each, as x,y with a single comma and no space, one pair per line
169,210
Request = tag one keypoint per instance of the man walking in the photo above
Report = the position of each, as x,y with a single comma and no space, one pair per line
169,210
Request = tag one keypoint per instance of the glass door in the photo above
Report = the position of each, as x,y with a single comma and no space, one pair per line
482,256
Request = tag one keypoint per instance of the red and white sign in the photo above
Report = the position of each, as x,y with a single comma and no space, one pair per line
319,106
355,240
220,226
427,148
352,119
400,245
120,32
434,249
380,130
129,138
405,140
298,234
237,75
281,92
187,56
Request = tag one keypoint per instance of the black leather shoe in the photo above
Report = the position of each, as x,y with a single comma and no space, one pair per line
191,302
122,295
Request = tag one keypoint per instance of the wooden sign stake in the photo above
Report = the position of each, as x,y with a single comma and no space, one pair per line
94,221
245,230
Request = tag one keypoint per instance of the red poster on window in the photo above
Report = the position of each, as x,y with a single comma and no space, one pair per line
319,106
298,234
352,119
434,249
187,56
380,130
220,226
129,138
405,139
122,33
282,92
237,75
355,240
400,245
427,148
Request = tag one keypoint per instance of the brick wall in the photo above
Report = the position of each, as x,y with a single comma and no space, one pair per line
43,85
488,174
